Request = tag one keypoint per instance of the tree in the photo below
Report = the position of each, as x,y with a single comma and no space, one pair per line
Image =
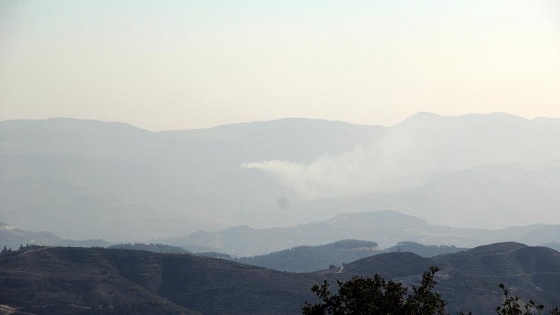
512,306
374,296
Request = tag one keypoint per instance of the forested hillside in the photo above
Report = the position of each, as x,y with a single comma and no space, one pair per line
117,281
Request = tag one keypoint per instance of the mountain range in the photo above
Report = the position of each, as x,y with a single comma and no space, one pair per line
268,246
468,280
335,255
13,237
88,179
386,228
68,280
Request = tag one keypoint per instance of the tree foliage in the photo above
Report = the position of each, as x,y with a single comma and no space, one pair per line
377,296
512,305
8,251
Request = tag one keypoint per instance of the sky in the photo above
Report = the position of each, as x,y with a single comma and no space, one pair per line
164,65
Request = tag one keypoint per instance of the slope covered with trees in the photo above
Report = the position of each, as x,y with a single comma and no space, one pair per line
116,281
468,279
311,258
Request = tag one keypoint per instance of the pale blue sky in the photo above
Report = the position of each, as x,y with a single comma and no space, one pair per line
191,64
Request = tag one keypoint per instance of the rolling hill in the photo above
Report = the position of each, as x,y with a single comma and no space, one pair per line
117,281
311,258
469,280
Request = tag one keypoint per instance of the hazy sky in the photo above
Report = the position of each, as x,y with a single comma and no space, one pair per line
191,64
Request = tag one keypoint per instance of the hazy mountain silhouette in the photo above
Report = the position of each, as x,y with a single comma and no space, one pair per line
384,227
333,255
88,179
12,237
311,258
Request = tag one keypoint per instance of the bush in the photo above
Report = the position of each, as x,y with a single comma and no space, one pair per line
374,296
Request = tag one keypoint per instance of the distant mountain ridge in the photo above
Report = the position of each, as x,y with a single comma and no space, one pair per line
311,258
334,255
13,237
384,227
389,227
91,179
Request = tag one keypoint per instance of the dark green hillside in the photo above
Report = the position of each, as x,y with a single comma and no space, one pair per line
79,281
216,286
553,245
156,248
312,258
531,272
333,255
389,265
504,259
116,281
424,250
469,280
